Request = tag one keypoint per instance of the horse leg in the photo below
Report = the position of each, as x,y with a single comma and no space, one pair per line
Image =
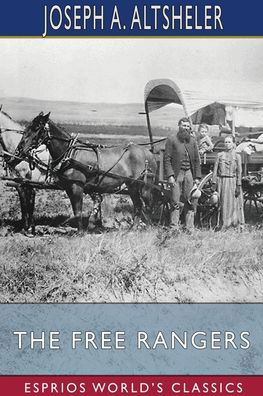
137,203
23,204
75,194
31,195
147,197
95,216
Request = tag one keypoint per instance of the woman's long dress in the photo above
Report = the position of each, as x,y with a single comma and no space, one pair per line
227,174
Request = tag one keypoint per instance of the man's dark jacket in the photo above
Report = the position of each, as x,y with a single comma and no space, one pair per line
175,153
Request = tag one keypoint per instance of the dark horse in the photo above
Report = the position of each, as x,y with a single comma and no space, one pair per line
88,168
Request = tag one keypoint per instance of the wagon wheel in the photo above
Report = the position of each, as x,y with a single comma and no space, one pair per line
252,193
207,211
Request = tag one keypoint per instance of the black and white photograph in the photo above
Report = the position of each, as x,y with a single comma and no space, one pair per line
131,170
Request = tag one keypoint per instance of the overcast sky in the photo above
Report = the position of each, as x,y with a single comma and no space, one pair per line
116,70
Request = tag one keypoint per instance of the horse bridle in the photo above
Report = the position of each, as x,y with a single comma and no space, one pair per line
46,135
43,137
45,140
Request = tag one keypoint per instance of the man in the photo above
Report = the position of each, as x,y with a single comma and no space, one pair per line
182,168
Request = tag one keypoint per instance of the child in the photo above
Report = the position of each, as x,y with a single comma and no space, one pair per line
203,140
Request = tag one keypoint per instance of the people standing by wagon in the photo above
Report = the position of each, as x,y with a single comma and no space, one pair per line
204,142
182,168
227,181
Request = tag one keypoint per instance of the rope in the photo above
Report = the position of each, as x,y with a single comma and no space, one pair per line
11,130
13,155
93,145
38,161
29,160
105,173
151,143
117,145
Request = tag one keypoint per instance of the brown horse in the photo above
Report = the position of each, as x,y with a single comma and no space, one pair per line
87,168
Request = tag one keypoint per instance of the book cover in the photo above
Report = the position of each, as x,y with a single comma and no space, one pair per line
131,198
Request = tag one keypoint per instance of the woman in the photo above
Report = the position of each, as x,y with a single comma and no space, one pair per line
227,177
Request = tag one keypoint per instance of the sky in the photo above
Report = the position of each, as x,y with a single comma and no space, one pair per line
117,70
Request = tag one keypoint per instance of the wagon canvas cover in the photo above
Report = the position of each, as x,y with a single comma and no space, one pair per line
217,101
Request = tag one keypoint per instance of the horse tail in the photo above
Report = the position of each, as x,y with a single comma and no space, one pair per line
150,178
152,165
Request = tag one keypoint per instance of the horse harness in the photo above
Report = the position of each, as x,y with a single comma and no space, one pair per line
6,155
66,161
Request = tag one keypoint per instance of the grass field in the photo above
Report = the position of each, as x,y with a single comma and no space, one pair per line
121,264
134,266
79,113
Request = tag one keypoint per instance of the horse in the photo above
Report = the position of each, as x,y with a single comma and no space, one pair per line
84,167
10,135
